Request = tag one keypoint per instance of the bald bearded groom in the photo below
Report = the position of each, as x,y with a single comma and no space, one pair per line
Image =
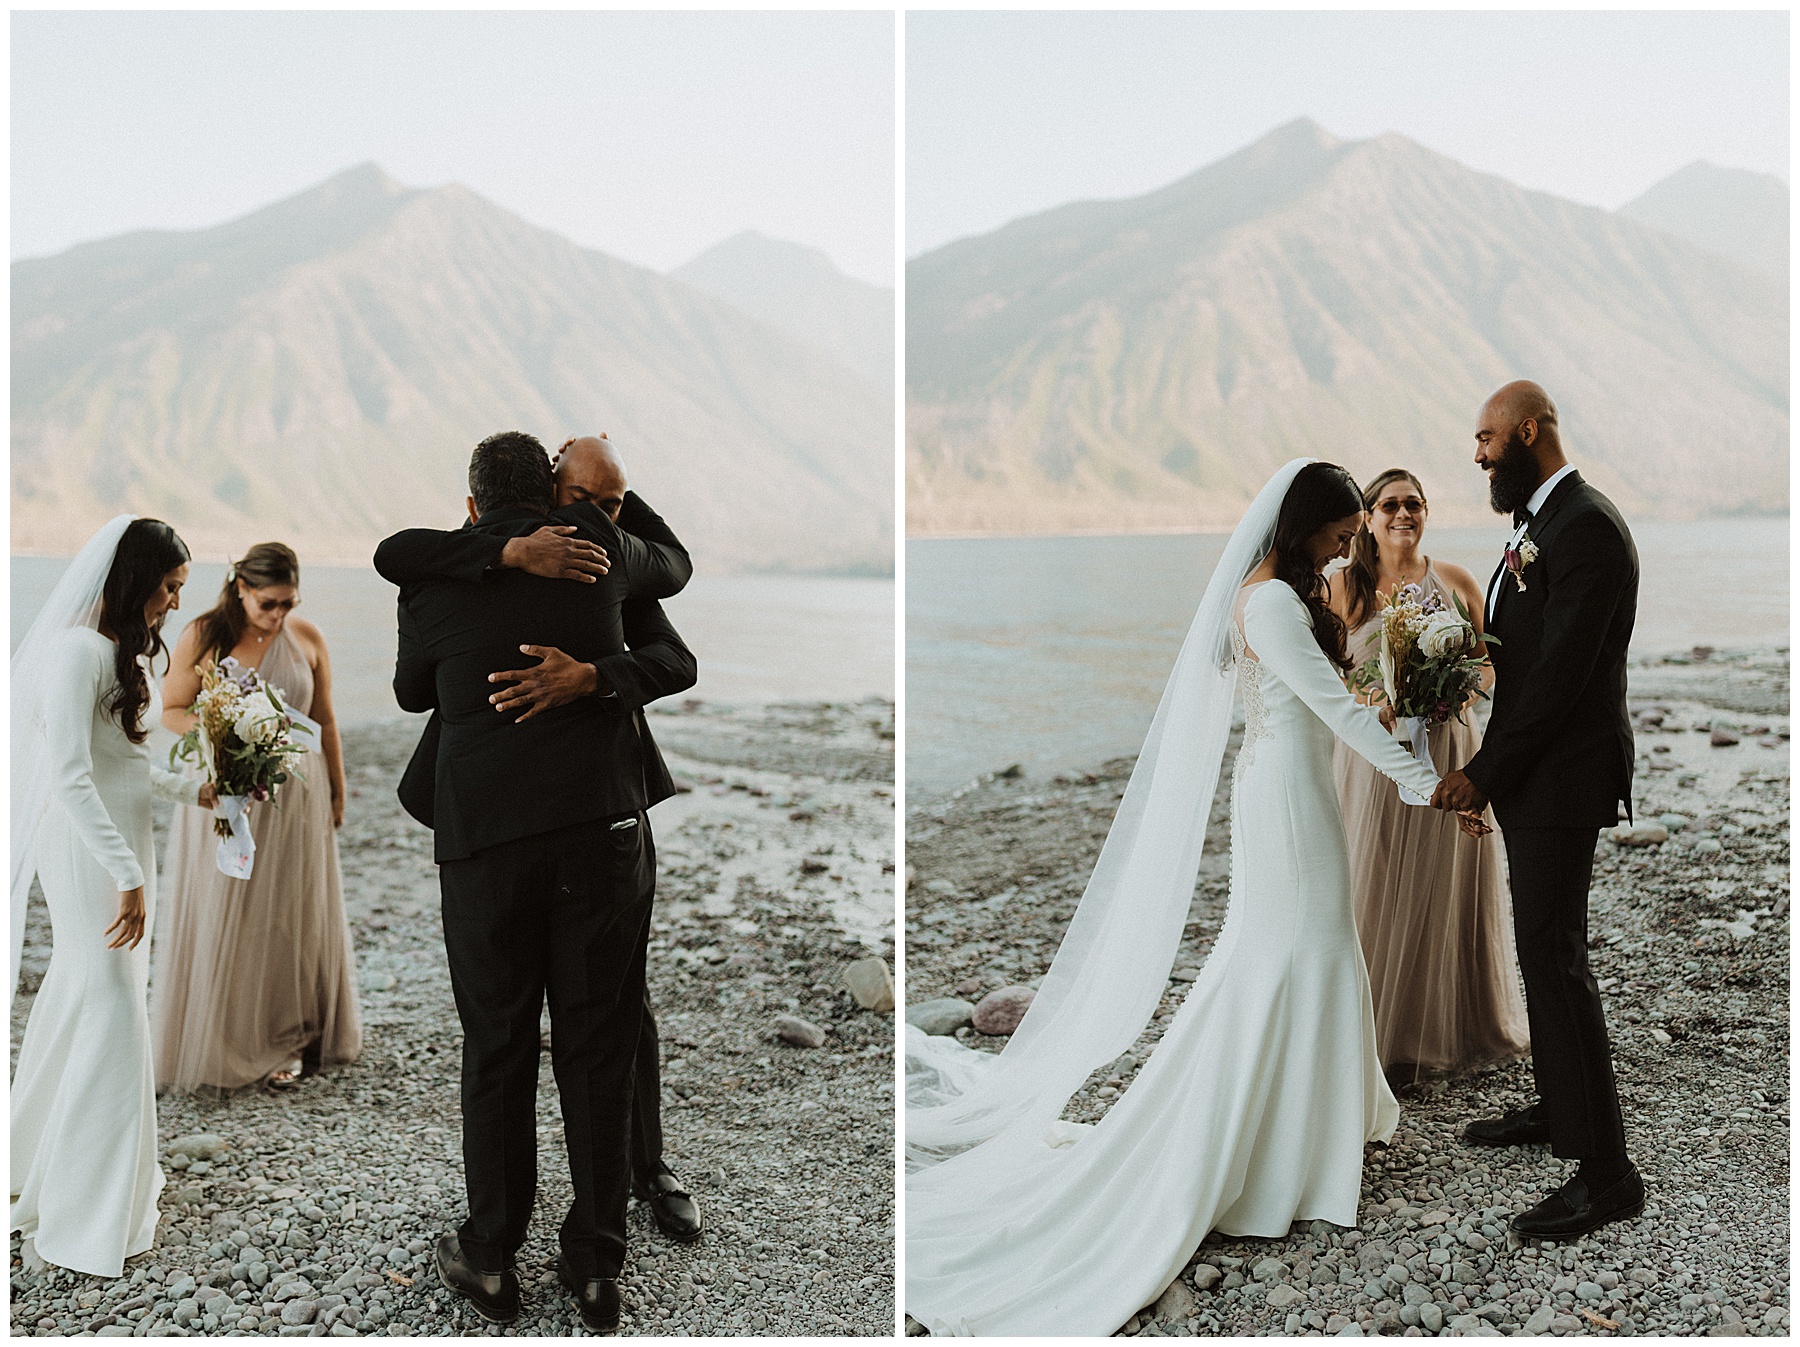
1556,764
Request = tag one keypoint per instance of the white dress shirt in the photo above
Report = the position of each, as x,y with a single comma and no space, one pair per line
1532,506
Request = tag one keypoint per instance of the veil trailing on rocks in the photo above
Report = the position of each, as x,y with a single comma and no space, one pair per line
1109,973
75,602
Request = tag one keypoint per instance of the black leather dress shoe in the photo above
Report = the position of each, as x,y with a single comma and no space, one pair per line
1571,1210
676,1212
495,1295
596,1298
1515,1129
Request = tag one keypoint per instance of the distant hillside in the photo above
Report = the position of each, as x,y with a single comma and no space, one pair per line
1732,211
1147,363
799,290
318,371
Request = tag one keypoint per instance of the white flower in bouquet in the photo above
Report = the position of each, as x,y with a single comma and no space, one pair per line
259,723
1445,633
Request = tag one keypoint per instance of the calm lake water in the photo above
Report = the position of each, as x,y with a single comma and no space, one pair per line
1053,652
758,638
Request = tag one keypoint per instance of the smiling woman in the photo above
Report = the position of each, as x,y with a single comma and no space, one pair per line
1432,911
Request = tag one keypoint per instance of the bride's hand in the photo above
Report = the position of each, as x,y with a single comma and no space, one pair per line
209,795
1472,824
1387,716
130,922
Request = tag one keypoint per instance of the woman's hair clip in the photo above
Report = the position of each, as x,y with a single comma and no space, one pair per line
231,572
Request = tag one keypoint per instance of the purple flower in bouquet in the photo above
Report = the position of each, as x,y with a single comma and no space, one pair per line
240,674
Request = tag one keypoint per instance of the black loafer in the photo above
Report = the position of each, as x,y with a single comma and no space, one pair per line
1515,1129
1572,1211
495,1295
676,1212
596,1298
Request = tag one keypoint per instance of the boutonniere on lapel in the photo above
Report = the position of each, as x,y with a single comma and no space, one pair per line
1519,556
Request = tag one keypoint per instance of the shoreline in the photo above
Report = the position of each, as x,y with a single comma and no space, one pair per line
1690,942
1728,678
1448,520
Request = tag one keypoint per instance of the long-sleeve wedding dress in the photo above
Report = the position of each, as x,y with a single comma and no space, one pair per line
1254,1109
85,1177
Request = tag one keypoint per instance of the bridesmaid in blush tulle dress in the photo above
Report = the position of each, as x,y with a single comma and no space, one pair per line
1432,911
254,978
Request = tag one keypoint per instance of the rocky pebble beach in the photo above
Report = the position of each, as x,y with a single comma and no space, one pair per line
313,1212
1689,939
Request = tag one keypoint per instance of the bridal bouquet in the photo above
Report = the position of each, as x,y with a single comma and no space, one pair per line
1430,659
1429,664
245,736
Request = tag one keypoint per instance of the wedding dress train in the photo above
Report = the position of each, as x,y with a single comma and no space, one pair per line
1253,1110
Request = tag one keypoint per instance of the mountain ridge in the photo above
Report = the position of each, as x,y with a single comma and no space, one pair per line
1144,364
1730,211
321,367
799,289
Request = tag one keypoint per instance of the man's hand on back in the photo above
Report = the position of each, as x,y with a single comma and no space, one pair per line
554,553
559,680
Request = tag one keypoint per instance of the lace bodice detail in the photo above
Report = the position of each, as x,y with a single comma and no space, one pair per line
1249,671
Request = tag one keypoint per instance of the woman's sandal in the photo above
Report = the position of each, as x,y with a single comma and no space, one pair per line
288,1078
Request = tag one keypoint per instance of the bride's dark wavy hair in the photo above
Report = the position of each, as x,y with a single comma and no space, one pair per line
148,550
1320,494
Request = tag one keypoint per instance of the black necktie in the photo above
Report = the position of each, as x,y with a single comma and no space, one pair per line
1521,517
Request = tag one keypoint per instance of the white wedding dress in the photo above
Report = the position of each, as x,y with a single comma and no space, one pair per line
85,1176
1253,1110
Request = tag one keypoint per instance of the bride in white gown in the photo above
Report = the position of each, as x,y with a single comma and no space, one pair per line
85,1177
1254,1109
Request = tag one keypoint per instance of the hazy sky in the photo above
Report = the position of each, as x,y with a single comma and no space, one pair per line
1013,113
649,136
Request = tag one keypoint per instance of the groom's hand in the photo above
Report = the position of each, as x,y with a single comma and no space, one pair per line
551,552
1457,792
560,679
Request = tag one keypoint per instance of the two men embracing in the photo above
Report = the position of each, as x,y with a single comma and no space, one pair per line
536,783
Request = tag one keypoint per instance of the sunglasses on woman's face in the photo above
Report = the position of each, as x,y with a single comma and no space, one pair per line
277,605
1391,506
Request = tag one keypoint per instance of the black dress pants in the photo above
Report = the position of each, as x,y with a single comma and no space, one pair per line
563,914
646,1103
1571,1057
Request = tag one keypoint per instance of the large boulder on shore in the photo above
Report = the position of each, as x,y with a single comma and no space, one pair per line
1000,1011
945,1015
871,984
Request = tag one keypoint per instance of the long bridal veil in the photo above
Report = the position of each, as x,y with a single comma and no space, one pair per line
74,602
1108,975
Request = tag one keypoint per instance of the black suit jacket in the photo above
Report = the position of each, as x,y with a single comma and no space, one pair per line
461,618
1558,750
